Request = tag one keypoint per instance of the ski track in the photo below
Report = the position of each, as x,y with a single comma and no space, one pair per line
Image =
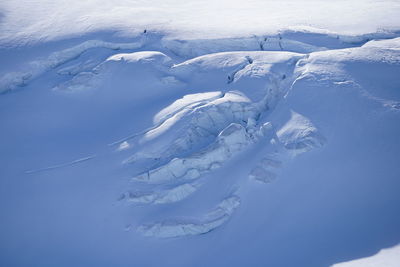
62,165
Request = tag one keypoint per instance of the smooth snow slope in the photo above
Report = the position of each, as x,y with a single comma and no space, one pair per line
271,149
26,21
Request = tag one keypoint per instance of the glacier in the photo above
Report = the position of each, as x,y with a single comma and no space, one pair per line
204,133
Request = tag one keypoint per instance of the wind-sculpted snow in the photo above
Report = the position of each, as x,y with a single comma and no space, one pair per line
170,195
207,223
150,63
230,61
231,140
36,68
195,125
253,137
155,58
186,101
300,134
253,73
195,48
347,67
264,171
199,133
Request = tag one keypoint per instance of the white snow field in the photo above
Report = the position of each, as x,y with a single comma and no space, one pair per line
200,133
386,257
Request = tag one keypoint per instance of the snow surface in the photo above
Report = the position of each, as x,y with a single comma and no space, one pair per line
385,257
156,133
26,20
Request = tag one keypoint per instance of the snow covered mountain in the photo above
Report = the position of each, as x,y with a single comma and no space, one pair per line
156,133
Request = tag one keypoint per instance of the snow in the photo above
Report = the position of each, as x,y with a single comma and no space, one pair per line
180,104
299,133
230,140
171,195
12,80
123,146
386,257
212,220
192,127
198,47
228,133
26,21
